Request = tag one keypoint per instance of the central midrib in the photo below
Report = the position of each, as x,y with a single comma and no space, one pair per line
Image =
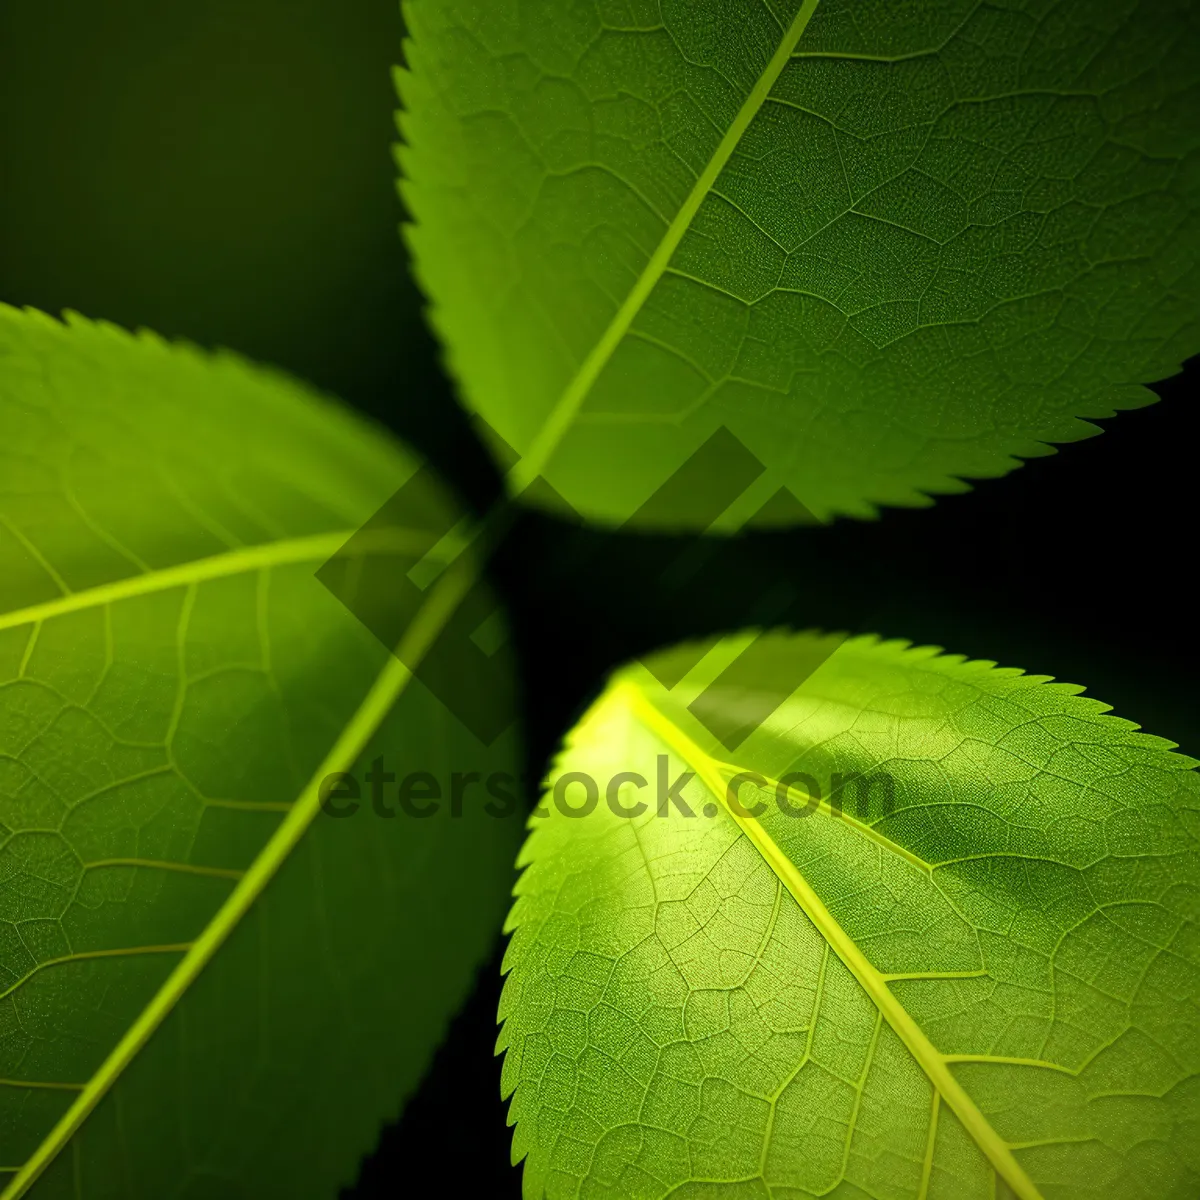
528,468
934,1064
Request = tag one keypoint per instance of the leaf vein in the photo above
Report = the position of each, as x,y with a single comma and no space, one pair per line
577,389
928,1057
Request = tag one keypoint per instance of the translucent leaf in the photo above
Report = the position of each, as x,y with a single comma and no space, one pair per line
889,247
929,931
209,986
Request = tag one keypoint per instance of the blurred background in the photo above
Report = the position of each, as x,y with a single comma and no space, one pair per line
221,171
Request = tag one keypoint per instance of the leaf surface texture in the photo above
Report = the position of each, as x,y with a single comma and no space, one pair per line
207,987
981,982
889,246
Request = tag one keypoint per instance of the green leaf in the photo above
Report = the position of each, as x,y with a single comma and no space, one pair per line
208,986
888,246
968,970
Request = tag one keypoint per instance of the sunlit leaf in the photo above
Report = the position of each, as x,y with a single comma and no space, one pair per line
939,942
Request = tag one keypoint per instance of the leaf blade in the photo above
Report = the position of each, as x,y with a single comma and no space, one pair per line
892,288
666,1022
182,936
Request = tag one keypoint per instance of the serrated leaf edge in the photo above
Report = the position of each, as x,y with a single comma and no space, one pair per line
623,689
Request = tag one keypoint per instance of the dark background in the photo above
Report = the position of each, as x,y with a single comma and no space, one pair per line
221,171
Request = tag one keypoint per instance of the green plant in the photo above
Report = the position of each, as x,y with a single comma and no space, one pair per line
915,927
